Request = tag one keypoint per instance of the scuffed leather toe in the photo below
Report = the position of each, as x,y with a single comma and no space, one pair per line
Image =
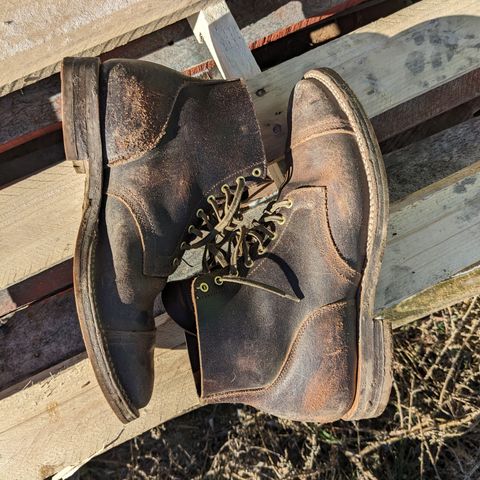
134,352
328,152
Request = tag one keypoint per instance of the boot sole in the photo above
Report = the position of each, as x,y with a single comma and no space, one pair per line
83,145
374,377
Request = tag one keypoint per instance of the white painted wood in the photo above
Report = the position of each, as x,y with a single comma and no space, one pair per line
215,26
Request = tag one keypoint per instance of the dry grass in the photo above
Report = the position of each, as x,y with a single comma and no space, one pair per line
430,430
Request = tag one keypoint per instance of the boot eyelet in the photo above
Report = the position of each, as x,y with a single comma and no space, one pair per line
257,172
249,264
204,287
190,229
210,198
200,212
282,221
261,250
175,262
289,204
225,188
274,237
218,281
183,246
240,179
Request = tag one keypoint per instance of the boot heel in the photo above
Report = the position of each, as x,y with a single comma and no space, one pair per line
80,109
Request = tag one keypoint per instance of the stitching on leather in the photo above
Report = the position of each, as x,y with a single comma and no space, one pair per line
288,360
334,246
320,134
130,209
260,265
138,208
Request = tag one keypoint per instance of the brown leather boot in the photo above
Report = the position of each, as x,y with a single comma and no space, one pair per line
288,327
167,159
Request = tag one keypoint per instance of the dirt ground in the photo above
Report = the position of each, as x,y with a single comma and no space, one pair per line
430,430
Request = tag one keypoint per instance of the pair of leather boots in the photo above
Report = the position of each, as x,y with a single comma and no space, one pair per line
280,317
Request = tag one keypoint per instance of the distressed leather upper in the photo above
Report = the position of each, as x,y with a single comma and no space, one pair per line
296,360
256,333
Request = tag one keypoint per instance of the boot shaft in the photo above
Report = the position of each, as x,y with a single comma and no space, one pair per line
170,141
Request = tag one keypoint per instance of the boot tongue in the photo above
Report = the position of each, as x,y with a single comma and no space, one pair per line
177,300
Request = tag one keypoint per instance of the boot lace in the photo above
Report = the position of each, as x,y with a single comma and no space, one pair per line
247,243
217,224
229,245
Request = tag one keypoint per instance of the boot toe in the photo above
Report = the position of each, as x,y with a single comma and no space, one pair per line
327,150
316,109
131,358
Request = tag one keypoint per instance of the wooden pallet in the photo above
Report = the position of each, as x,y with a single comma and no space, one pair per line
413,66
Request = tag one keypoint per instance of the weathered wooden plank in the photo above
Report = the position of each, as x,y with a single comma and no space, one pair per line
34,288
461,286
387,63
67,408
37,34
30,113
431,104
422,163
46,334
215,26
433,234
458,114
64,419
19,163
39,217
